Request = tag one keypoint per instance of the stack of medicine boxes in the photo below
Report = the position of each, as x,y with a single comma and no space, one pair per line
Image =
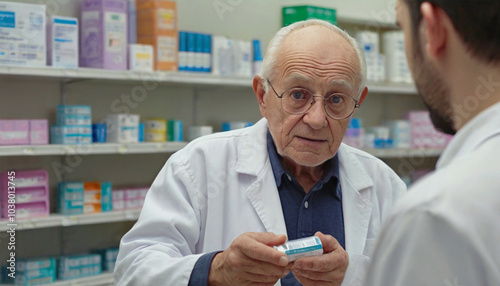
34,271
77,266
73,125
157,26
84,197
31,193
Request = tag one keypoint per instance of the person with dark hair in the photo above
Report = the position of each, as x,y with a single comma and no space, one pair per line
446,231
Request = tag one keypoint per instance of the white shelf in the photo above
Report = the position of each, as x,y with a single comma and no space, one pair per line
368,23
103,279
55,220
103,148
179,78
188,78
392,88
402,152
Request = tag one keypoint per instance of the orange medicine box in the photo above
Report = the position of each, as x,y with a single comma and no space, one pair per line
92,197
165,47
154,17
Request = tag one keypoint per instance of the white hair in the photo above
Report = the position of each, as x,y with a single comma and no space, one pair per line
270,58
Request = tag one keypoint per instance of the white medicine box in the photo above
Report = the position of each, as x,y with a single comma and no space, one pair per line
22,34
140,57
122,128
62,42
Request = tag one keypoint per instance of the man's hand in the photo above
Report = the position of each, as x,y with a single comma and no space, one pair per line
250,259
327,269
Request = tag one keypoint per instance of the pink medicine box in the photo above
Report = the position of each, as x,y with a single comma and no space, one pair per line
31,193
14,132
39,132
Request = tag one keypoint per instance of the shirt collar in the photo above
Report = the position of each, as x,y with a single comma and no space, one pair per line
332,167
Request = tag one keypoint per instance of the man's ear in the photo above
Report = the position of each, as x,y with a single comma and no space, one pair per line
363,95
433,29
259,90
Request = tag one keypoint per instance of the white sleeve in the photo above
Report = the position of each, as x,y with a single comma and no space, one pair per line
419,247
159,249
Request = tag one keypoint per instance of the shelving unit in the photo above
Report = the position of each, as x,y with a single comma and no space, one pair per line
51,86
56,220
92,149
104,279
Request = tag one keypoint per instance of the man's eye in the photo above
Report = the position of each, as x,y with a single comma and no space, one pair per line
336,99
299,94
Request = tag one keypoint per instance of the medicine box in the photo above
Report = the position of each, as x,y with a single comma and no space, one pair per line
140,57
165,49
39,132
71,197
14,132
92,197
106,196
122,128
76,266
108,257
62,42
300,13
156,16
31,193
22,34
70,135
35,271
104,31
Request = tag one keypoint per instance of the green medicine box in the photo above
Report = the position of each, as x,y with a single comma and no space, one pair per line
294,14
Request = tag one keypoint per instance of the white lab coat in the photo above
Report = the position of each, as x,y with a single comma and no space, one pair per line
446,231
222,185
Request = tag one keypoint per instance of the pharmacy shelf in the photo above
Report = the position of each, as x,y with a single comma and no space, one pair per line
368,23
104,279
103,148
173,78
183,78
391,88
56,220
392,153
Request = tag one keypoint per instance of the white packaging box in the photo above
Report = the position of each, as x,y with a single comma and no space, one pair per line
22,34
369,41
243,58
140,57
62,42
198,131
396,65
221,55
122,128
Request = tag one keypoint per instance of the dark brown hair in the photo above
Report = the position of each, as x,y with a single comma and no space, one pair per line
476,21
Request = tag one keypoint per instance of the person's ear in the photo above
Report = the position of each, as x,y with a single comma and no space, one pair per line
363,95
433,29
260,91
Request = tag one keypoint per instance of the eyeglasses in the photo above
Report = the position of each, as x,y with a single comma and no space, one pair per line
299,100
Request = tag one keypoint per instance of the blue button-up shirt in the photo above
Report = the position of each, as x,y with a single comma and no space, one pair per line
318,210
305,214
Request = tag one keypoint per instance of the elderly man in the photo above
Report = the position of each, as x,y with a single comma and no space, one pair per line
217,208
447,231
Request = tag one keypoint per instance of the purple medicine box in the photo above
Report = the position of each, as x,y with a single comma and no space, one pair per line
104,29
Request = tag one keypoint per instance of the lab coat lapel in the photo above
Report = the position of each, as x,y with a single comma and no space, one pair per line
253,162
356,208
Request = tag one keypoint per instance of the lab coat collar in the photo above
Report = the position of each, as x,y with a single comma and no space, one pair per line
356,207
262,192
477,131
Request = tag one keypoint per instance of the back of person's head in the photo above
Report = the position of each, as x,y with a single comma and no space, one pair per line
477,22
271,56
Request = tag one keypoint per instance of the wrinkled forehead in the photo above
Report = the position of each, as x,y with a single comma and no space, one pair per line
317,51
